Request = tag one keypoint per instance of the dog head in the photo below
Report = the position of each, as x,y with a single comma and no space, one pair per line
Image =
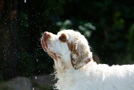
67,47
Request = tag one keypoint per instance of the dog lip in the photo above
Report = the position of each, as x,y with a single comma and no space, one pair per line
44,44
44,41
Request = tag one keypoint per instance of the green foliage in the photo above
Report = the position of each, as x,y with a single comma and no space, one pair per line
67,24
4,86
123,59
24,19
25,64
1,78
35,63
131,38
131,41
43,63
85,28
118,22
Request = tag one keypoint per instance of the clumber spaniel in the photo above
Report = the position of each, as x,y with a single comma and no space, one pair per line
75,68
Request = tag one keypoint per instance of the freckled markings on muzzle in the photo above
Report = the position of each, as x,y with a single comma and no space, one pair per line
44,43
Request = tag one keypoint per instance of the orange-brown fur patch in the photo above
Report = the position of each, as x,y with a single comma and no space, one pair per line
78,49
63,38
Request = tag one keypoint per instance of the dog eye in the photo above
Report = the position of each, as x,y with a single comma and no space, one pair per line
63,38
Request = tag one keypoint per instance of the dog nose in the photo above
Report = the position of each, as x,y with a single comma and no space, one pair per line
46,34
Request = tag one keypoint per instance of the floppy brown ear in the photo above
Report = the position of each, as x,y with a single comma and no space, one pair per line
80,54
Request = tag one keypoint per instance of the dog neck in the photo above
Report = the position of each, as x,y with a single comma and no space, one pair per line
61,69
68,74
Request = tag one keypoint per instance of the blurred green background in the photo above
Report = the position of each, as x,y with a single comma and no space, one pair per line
108,25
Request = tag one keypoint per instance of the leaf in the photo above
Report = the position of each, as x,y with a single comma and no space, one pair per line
131,33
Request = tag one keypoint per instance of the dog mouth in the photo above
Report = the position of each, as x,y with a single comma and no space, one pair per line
44,45
44,42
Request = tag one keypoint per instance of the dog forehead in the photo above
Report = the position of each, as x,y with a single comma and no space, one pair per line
66,32
70,34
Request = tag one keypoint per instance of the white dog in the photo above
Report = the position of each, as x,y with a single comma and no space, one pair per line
75,68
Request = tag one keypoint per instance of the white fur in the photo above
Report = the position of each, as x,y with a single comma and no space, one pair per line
91,76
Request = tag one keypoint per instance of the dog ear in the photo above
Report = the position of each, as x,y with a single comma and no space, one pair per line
80,54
